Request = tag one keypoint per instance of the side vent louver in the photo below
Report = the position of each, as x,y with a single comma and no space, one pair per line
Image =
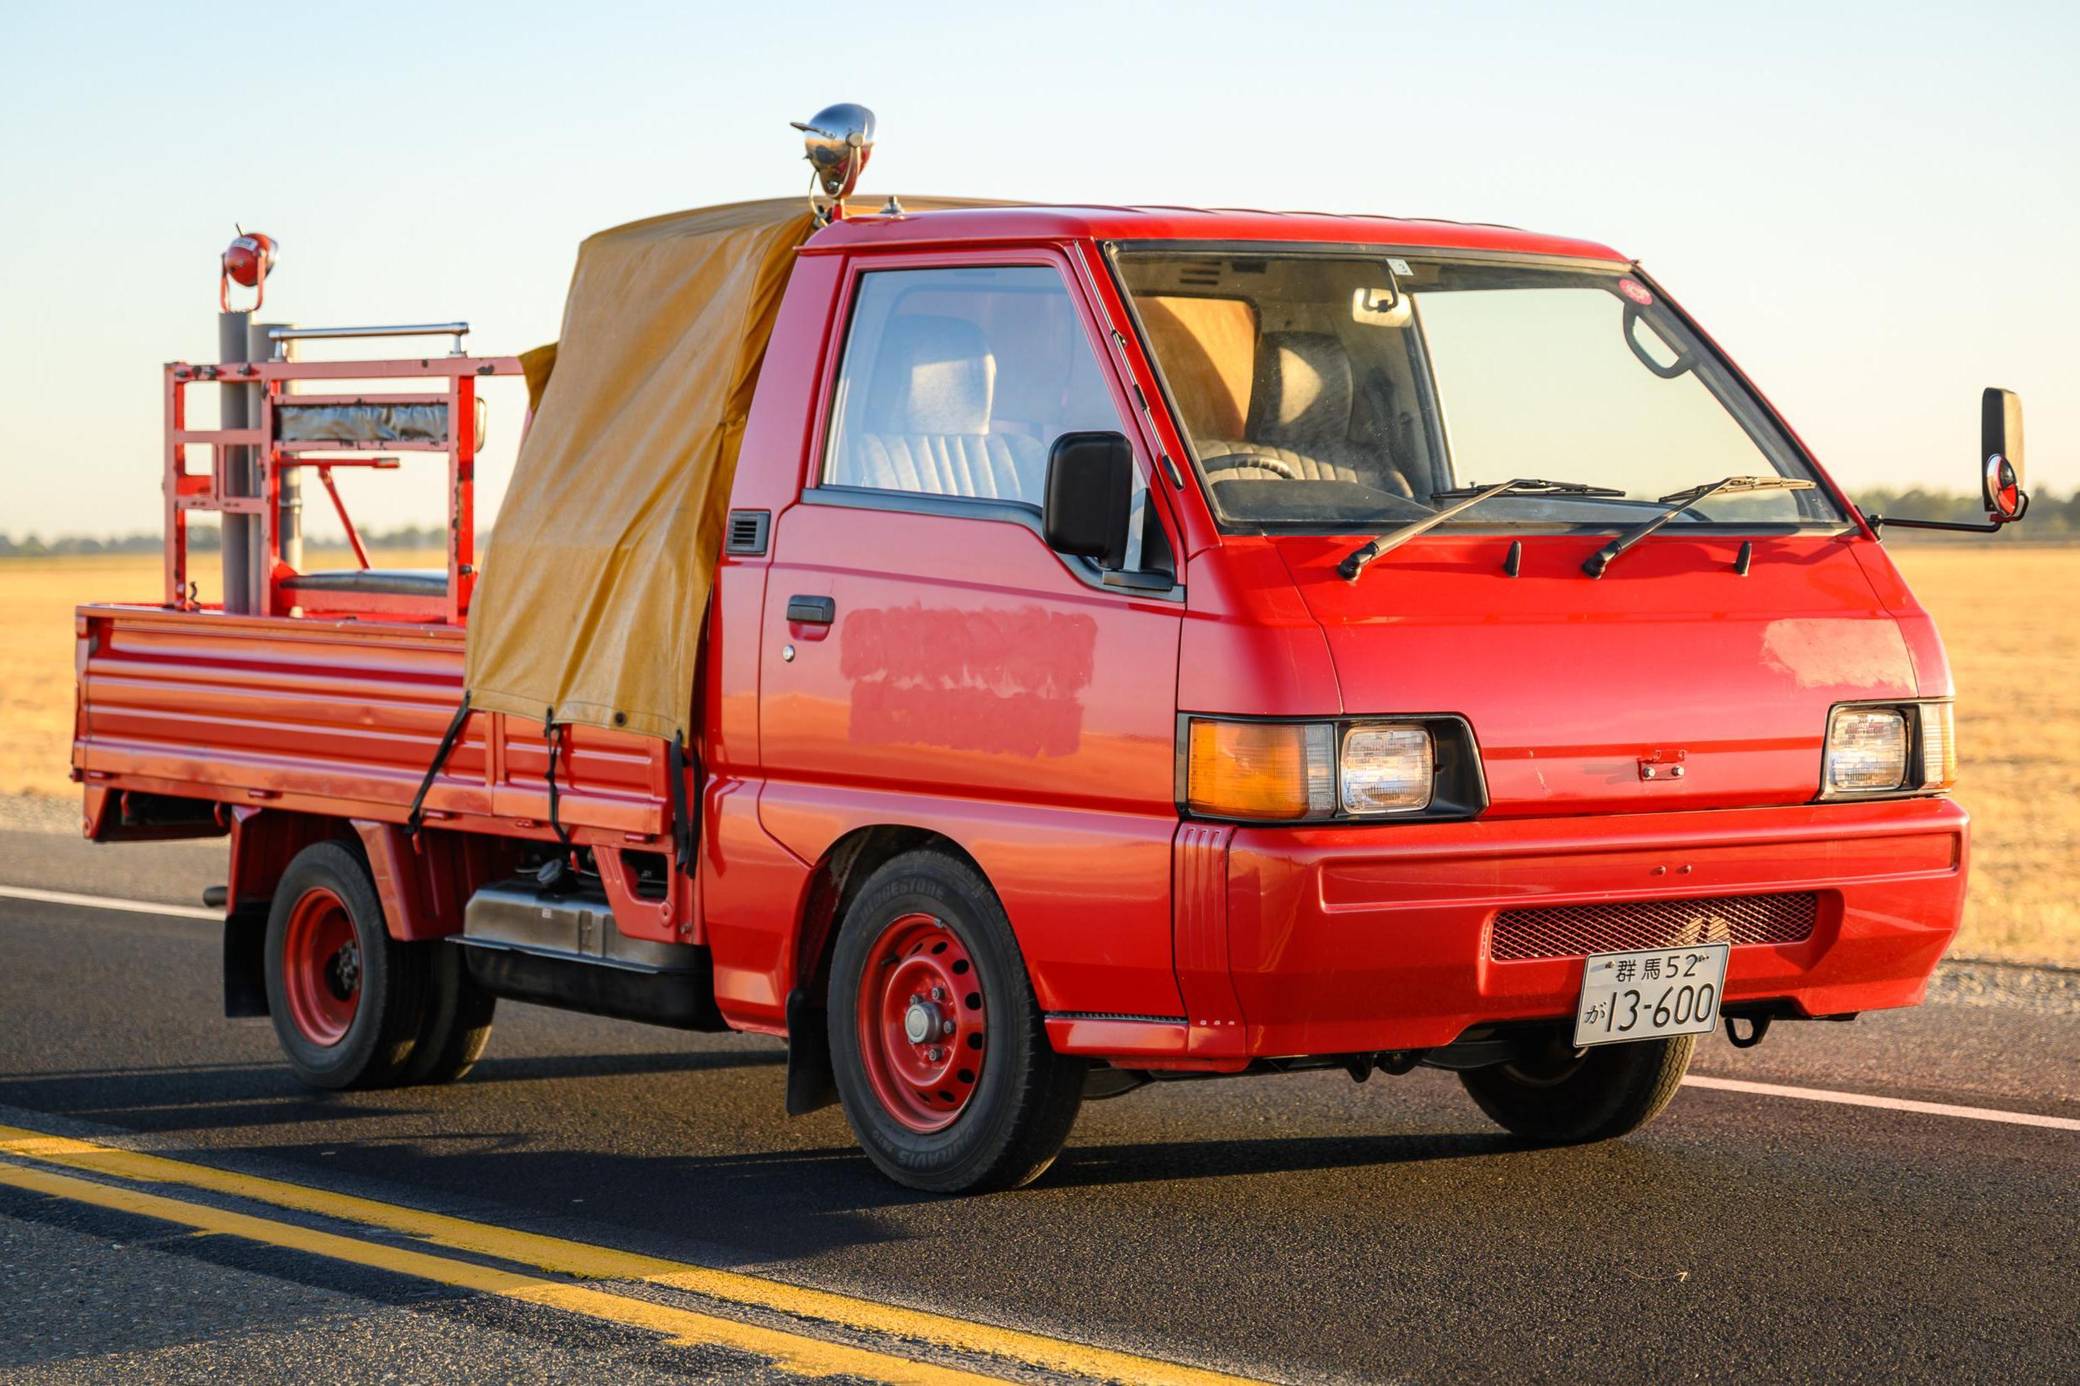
747,531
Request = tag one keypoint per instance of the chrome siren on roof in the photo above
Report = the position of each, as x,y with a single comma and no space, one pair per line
839,139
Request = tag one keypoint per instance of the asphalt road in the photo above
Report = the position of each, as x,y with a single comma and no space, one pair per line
1299,1228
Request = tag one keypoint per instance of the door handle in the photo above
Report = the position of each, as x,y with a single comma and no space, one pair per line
812,611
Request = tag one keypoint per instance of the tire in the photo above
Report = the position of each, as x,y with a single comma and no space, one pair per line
1561,1099
457,1021
347,999
992,1110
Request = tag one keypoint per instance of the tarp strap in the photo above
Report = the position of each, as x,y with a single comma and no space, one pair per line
552,732
440,758
685,827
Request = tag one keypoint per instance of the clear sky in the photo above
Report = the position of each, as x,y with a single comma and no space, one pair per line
1872,207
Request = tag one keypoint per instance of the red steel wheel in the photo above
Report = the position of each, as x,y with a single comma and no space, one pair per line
923,1022
347,999
985,1103
321,967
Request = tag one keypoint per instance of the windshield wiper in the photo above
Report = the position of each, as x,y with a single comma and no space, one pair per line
1355,561
1680,501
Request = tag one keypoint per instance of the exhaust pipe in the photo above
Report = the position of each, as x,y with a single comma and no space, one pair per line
236,411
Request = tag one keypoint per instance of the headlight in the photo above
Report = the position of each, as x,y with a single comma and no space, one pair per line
1866,750
1301,772
1387,768
1889,749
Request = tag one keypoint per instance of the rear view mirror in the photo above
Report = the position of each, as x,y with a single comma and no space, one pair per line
2000,454
1090,488
1380,306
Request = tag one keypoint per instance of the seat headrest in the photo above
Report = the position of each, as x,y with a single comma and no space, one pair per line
932,375
1303,387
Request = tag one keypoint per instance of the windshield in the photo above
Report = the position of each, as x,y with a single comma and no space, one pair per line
1339,393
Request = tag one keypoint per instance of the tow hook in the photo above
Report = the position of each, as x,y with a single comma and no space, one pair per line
1758,1026
1391,1061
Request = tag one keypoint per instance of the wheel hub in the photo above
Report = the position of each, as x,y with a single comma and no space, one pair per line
321,967
345,973
923,1022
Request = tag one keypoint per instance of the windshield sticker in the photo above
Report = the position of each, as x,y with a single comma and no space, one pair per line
1637,292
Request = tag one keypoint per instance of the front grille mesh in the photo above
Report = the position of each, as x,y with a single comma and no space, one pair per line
1573,931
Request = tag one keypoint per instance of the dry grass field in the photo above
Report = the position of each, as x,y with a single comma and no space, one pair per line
37,598
2012,628
2008,613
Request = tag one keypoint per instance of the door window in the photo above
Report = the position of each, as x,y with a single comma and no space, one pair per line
955,383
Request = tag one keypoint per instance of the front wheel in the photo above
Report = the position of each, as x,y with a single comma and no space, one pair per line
942,1061
1561,1096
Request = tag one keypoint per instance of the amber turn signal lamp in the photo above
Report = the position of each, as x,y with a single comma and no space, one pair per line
1273,771
1938,746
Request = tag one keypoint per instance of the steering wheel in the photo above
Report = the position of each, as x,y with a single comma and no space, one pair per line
1231,461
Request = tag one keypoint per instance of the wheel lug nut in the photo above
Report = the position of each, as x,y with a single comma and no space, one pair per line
945,1027
935,1053
938,993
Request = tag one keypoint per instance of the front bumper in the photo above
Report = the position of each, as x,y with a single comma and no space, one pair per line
1341,940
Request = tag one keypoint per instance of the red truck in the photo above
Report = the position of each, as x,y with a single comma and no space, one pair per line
1142,644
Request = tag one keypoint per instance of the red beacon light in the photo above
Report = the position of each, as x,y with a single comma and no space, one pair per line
247,261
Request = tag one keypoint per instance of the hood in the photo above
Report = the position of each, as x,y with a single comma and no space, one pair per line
1573,684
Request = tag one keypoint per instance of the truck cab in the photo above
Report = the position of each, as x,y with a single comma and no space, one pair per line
1150,644
1245,808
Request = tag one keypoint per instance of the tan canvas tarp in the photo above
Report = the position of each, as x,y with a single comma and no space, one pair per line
608,538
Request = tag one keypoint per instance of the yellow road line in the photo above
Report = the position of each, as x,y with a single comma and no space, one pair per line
787,1351
605,1263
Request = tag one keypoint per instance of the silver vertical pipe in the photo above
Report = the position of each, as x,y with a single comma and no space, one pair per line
235,411
289,510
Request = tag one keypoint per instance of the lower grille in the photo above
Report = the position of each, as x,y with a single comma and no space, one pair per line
1573,931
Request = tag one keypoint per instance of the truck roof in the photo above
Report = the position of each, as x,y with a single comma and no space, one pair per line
1020,222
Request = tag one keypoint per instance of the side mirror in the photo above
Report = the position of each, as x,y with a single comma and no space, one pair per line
2000,470
1090,489
2000,455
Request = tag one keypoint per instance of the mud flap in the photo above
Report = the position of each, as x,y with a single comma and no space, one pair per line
811,1083
245,962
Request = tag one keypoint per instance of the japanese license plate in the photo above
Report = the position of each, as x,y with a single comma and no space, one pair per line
1639,996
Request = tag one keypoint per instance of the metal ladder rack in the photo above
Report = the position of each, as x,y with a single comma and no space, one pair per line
280,590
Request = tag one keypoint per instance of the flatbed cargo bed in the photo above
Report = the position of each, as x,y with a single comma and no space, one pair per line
337,716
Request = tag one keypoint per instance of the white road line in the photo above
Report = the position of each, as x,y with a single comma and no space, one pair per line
109,902
1895,1104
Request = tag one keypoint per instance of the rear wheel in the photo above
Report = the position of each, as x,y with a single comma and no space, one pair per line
1561,1096
346,998
457,1023
942,1061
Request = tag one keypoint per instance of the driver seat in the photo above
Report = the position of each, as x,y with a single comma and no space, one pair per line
1300,416
927,420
